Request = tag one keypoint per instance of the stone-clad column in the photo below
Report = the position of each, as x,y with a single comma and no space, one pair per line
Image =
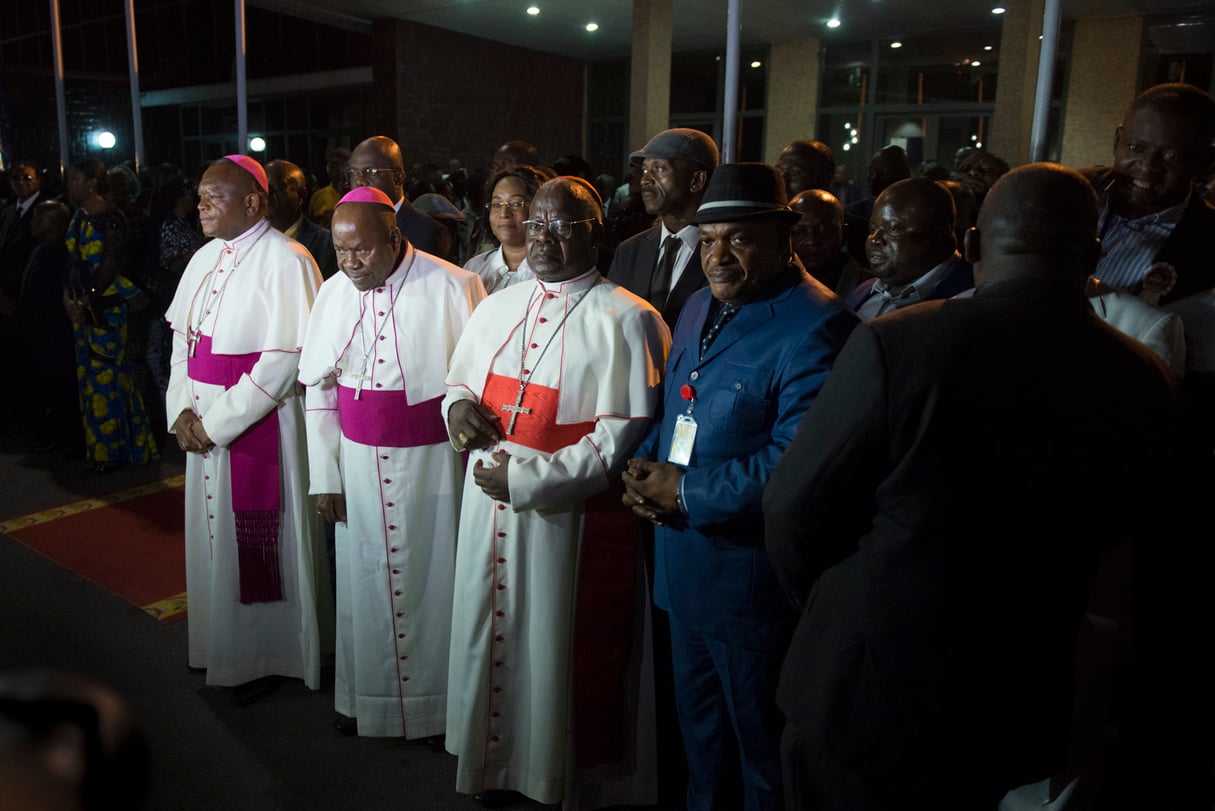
792,98
1103,79
650,70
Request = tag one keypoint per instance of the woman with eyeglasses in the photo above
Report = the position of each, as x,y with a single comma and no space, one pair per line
510,194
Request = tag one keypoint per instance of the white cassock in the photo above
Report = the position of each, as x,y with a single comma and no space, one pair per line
591,394
383,444
247,302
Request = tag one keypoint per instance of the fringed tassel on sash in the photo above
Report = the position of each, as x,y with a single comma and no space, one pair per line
257,552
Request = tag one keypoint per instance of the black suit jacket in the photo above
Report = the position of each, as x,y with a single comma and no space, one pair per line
16,244
1187,249
423,231
939,515
319,242
634,263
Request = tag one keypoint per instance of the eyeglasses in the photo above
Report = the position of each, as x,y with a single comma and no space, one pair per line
560,229
355,175
513,205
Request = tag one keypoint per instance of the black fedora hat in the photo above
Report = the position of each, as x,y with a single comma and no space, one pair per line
739,191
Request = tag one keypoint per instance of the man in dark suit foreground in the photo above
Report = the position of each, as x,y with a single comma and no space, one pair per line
942,509
746,361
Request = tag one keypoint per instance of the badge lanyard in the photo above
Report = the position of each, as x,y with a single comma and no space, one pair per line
685,430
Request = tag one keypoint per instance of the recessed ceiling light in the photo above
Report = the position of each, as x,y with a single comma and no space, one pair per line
987,47
756,64
533,10
998,10
975,63
896,44
847,147
592,26
834,22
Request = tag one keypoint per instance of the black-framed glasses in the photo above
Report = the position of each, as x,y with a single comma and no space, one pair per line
560,229
355,175
513,205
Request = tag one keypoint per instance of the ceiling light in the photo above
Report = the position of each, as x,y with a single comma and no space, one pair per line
987,47
979,144
896,44
756,64
105,140
257,144
834,22
592,26
966,60
975,63
998,10
847,147
533,10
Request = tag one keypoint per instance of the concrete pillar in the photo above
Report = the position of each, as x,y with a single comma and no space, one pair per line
650,70
792,98
1103,79
1014,113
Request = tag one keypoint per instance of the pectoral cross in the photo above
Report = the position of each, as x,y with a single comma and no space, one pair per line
359,377
516,409
193,341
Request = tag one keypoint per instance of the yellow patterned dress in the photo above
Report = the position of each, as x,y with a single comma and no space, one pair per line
116,429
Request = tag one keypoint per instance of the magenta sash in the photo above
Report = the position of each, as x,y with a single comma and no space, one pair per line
387,420
256,500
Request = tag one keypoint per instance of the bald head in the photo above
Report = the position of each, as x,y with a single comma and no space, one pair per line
819,236
288,190
513,154
556,252
806,165
378,152
1037,220
887,166
910,231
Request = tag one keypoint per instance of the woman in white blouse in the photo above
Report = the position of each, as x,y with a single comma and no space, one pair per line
510,196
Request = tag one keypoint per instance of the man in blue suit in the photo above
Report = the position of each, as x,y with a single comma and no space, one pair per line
749,355
912,250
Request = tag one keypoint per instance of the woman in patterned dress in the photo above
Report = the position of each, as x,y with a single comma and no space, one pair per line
99,299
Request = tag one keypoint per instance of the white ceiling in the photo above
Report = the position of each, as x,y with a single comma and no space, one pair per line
698,24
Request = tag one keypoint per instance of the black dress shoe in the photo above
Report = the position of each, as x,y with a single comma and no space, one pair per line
255,690
498,798
346,725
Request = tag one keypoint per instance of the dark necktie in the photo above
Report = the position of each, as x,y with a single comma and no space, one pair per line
660,279
724,313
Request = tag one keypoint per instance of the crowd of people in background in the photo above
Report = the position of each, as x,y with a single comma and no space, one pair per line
915,473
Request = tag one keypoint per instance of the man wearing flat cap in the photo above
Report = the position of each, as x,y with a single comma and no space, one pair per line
662,264
254,546
375,360
747,360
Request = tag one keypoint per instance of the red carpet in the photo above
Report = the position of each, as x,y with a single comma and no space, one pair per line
131,545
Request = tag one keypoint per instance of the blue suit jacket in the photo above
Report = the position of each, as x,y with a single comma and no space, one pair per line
752,389
319,242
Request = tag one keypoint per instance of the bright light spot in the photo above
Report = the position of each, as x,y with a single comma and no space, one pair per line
106,140
756,64
966,60
257,144
998,10
834,22
974,137
855,140
533,10
975,63
896,44
847,147
592,26
847,126
979,144
987,47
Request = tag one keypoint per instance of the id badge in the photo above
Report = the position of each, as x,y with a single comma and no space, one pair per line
681,442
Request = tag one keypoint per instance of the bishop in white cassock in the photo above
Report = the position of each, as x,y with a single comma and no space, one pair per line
259,598
551,386
381,335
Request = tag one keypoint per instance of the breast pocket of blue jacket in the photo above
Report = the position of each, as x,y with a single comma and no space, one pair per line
740,401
